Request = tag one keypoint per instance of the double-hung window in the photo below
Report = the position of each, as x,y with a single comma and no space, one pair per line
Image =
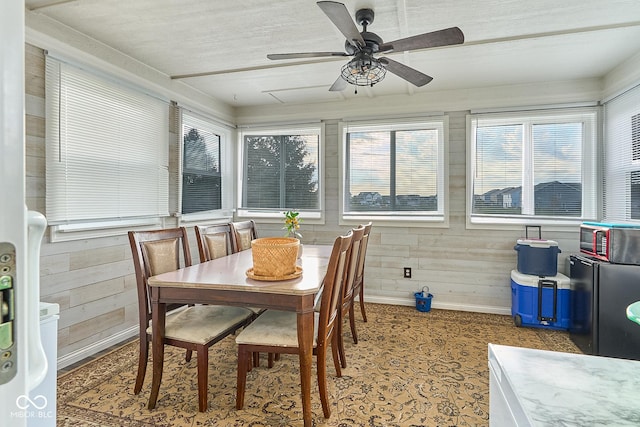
394,171
206,168
106,153
281,170
532,166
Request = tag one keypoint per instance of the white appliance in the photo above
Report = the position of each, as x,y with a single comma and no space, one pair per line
23,363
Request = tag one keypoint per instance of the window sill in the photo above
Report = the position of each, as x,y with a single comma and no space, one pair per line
511,223
396,220
204,217
91,230
313,217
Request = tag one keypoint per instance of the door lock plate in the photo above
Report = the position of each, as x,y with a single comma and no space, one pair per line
8,347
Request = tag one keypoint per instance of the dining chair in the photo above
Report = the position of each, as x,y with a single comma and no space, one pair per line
214,241
347,294
358,286
276,331
243,233
195,327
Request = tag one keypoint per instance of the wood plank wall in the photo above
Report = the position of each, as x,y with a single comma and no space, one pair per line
93,279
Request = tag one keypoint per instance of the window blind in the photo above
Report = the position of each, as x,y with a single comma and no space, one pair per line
622,157
106,148
539,165
395,171
281,170
201,165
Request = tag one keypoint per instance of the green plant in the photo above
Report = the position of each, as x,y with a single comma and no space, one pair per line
292,224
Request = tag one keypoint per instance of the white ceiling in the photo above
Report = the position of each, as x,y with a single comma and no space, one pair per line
225,42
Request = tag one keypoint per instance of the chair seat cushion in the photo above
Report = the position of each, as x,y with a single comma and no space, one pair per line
202,323
275,328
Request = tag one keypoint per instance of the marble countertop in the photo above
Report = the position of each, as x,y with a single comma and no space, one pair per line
563,389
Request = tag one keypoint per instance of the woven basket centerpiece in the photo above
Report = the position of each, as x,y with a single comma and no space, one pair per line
274,256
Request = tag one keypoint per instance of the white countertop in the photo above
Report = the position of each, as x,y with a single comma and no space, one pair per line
563,389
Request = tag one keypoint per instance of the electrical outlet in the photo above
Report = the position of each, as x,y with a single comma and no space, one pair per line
407,272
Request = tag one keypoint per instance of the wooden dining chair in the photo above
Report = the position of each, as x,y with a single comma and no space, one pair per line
348,295
358,286
243,233
276,331
214,241
194,328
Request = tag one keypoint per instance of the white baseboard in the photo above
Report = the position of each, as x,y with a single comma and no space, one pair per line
90,350
440,305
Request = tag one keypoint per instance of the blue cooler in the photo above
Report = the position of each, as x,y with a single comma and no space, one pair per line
541,302
537,256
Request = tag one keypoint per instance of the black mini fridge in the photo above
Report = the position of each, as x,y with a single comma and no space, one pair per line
600,294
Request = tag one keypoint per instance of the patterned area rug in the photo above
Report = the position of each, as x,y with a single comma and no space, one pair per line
409,368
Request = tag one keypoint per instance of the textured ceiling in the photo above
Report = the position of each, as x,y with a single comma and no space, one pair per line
224,44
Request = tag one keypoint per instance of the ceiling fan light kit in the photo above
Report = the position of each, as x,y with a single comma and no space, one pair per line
365,69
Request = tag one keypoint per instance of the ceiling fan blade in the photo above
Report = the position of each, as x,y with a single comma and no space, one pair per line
339,85
409,74
304,55
446,37
339,15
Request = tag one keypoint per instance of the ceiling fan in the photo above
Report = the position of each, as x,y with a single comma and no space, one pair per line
365,69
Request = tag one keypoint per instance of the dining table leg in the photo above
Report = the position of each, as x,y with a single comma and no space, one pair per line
158,315
305,341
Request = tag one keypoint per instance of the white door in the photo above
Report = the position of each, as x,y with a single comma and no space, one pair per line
22,359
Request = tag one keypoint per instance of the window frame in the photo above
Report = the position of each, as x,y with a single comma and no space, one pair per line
440,217
590,174
275,215
225,213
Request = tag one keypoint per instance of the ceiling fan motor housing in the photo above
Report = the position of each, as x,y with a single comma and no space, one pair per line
372,40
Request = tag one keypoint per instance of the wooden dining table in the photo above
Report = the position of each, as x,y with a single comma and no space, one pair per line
224,281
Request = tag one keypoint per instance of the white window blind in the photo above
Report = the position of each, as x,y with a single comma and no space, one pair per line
394,171
622,158
535,165
281,171
106,149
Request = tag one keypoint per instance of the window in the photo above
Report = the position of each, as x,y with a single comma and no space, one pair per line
205,167
281,171
533,166
394,171
106,153
622,158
